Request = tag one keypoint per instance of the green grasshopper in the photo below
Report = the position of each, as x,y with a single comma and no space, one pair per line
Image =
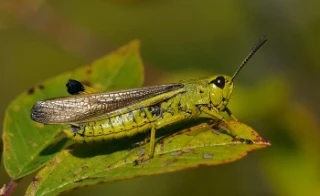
96,116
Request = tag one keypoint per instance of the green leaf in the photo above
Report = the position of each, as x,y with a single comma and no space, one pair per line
27,143
109,161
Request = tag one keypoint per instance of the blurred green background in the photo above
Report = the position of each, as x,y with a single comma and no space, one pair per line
277,92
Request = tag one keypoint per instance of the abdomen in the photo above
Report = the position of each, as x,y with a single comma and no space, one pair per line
120,126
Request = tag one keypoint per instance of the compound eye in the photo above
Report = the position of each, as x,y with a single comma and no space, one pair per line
219,82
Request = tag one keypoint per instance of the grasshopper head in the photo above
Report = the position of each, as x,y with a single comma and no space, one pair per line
221,86
220,90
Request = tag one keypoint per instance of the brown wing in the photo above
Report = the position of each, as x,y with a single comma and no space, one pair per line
82,108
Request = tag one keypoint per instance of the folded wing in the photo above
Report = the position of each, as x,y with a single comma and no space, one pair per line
88,107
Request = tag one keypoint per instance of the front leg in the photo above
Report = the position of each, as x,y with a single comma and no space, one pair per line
230,114
216,116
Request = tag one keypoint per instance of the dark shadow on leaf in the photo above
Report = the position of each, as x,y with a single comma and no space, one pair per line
55,147
85,150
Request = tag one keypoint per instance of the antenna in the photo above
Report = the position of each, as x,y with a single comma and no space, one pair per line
255,48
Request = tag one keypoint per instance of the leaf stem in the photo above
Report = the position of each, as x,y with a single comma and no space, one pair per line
11,186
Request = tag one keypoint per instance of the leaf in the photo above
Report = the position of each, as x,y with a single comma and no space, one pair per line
27,143
95,163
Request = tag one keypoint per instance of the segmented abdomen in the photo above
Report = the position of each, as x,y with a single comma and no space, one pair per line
127,124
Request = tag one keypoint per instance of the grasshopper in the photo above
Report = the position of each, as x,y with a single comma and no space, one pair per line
96,116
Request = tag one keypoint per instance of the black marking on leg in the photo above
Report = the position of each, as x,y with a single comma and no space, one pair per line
131,116
74,87
75,130
156,111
